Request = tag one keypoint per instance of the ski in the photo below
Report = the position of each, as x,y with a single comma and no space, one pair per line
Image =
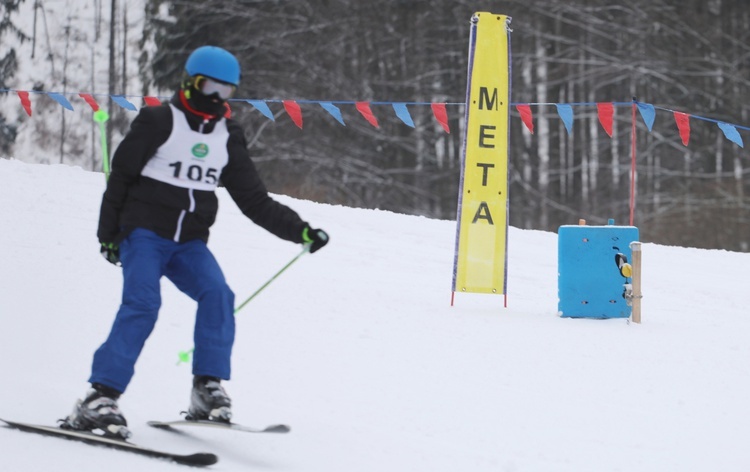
274,428
198,459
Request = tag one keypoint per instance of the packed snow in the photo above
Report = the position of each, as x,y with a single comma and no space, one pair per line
358,349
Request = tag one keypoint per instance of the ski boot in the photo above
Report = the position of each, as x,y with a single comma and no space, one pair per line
209,401
98,410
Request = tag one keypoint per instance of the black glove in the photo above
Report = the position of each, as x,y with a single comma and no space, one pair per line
111,252
316,238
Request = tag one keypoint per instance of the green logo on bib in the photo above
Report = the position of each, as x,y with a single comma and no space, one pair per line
200,150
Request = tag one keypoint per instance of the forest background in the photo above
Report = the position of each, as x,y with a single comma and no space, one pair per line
689,56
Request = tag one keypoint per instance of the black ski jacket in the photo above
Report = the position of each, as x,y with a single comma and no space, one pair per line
134,201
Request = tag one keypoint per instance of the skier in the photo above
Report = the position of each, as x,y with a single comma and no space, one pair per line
154,221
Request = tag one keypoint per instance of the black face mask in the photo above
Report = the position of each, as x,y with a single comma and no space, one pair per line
211,104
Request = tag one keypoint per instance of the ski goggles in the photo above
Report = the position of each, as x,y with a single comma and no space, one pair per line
209,86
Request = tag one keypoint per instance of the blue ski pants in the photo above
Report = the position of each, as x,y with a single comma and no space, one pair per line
146,257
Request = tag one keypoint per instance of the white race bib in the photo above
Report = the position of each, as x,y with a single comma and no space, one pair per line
190,159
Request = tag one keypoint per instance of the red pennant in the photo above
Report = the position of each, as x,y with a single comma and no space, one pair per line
683,124
25,102
526,117
90,100
606,116
441,115
152,101
364,109
295,112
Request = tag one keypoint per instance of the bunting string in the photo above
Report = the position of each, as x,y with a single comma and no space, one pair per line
293,108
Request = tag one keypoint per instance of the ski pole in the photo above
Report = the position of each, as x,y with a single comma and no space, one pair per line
101,117
184,356
305,250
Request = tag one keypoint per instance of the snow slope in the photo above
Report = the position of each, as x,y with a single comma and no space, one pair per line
357,348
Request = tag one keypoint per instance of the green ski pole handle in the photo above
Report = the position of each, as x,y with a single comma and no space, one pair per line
184,356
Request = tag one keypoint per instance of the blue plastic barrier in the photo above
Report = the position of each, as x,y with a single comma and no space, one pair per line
590,284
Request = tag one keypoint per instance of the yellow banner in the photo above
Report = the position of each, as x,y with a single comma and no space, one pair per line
481,261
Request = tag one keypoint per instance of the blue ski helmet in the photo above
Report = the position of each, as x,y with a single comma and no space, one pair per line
214,62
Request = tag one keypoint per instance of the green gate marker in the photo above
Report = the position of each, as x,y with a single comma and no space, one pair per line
101,117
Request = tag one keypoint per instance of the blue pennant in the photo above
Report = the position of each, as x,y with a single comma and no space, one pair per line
61,100
647,113
403,113
731,134
566,115
334,111
261,106
123,102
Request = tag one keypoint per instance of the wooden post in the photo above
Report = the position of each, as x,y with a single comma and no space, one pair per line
635,247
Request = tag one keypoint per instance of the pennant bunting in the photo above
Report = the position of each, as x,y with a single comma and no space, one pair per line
151,101
25,102
294,111
262,107
731,133
606,113
648,113
61,100
526,116
364,109
334,111
123,102
403,114
441,115
90,100
565,112
683,124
